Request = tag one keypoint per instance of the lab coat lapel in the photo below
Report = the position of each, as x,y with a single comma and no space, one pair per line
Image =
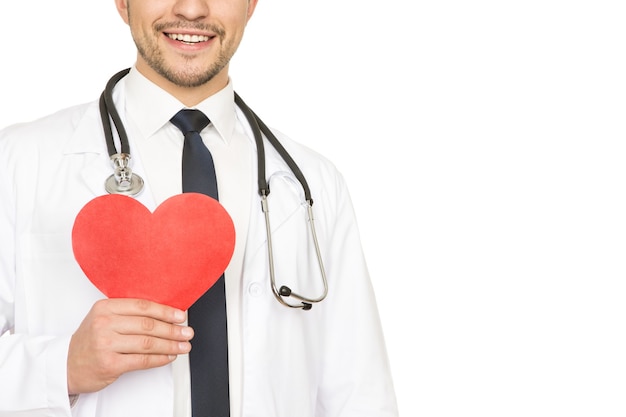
281,211
87,141
284,201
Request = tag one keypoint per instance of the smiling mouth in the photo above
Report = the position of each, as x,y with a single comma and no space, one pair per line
189,39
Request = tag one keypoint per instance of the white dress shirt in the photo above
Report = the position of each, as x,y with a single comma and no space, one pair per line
158,144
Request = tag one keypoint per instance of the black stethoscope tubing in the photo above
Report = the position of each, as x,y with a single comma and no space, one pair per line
259,127
107,108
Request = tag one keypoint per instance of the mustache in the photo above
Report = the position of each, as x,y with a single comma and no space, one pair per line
170,27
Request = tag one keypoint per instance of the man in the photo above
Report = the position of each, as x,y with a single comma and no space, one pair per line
69,351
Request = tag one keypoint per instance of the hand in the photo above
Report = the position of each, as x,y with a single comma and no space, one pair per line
122,335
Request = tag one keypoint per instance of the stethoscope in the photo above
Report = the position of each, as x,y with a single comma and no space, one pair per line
124,181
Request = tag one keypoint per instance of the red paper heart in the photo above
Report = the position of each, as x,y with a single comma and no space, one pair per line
171,256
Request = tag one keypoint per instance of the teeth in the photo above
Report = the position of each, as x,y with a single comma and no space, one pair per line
188,38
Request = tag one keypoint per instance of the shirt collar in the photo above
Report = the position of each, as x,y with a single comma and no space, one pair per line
151,107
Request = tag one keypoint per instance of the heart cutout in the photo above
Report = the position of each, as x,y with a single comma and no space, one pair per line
171,256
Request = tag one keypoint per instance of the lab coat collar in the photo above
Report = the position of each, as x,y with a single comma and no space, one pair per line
85,139
286,195
88,138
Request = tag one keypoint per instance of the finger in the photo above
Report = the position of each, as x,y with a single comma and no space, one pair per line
136,325
134,362
109,369
140,307
134,344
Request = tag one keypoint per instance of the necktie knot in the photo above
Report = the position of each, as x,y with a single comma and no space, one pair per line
197,163
190,120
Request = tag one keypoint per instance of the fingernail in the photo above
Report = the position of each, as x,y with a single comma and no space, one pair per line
179,315
187,331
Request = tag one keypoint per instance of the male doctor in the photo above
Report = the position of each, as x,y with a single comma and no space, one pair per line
68,350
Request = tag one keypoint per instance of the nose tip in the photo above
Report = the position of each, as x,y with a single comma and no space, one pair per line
191,10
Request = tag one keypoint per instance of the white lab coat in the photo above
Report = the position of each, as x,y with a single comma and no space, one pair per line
329,361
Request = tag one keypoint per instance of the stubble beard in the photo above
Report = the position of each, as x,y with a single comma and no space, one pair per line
190,74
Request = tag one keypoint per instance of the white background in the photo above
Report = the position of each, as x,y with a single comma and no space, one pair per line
484,145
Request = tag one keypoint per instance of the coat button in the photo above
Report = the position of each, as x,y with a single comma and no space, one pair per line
255,289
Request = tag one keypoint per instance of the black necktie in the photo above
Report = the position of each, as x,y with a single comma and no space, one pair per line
208,359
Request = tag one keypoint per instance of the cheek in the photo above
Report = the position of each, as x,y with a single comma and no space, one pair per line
234,13
142,15
237,25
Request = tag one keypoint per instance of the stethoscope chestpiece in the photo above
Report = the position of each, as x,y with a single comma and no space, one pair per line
123,180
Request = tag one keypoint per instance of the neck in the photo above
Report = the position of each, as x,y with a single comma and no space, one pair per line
189,96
